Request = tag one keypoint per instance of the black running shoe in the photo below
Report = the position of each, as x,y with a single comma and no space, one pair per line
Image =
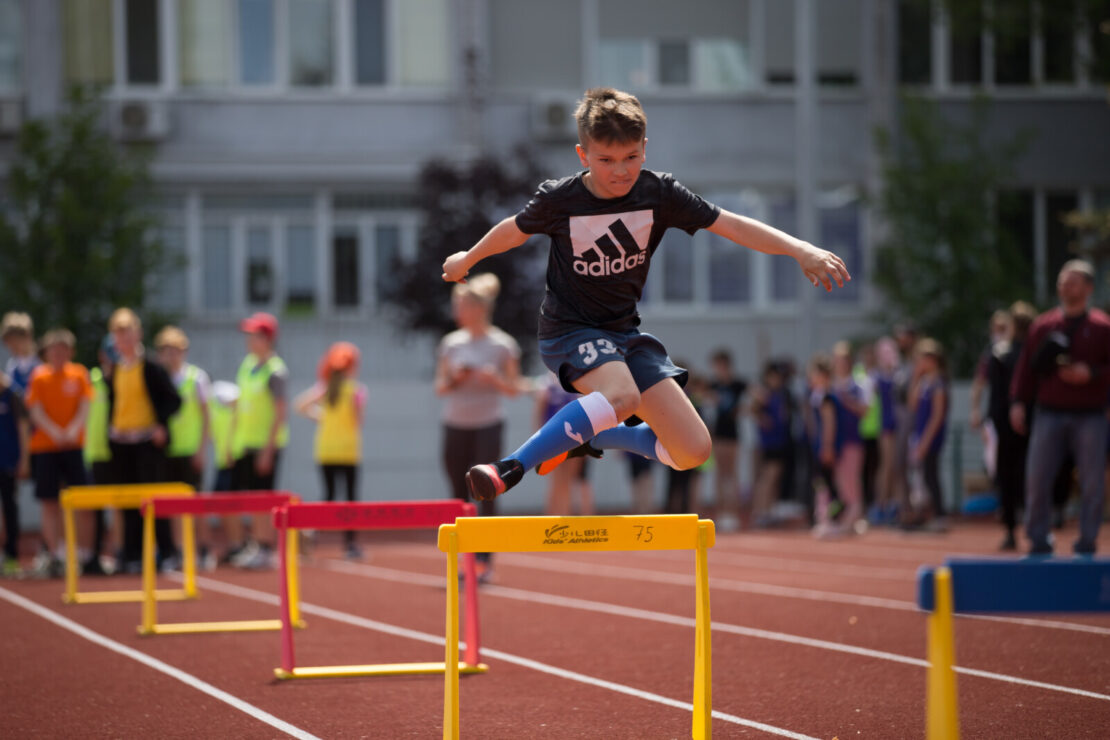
486,482
583,450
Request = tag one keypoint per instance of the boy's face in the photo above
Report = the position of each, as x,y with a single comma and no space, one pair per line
257,343
57,354
127,339
614,166
18,344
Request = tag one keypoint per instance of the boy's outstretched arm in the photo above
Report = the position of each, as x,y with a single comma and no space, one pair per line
817,264
501,238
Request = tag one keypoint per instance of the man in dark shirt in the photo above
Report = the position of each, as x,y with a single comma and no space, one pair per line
1063,373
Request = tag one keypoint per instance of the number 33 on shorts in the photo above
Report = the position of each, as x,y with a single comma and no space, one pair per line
589,351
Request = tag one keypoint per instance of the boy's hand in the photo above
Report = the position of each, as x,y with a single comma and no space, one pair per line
819,264
455,268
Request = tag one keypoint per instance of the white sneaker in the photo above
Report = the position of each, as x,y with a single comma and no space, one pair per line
263,559
246,555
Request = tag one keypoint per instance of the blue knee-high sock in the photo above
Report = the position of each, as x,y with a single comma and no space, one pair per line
639,439
577,422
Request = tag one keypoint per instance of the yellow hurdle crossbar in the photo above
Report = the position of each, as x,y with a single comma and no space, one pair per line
122,496
581,534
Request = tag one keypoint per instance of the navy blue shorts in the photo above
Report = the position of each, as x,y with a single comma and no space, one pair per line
572,355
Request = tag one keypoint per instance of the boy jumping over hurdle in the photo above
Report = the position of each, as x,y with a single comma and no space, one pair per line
605,223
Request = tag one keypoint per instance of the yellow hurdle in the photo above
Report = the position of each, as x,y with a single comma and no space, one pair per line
122,496
942,720
209,503
581,534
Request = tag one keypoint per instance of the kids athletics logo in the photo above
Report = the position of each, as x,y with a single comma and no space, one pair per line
610,243
563,534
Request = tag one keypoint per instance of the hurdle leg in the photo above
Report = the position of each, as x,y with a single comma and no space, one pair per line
286,608
293,577
150,605
942,714
470,579
189,556
451,657
70,531
703,666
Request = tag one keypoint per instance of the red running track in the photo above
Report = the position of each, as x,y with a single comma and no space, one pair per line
810,639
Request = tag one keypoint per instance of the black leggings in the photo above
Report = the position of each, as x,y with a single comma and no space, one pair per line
462,450
332,474
930,472
141,462
11,514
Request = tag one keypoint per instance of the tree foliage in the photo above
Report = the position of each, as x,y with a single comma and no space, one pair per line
75,236
459,203
945,263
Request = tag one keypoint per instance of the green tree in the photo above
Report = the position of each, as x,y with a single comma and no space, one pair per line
945,262
459,204
75,236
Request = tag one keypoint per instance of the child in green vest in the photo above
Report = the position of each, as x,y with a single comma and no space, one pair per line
97,452
260,429
189,427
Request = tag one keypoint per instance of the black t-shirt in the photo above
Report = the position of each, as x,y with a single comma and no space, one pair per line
729,394
600,248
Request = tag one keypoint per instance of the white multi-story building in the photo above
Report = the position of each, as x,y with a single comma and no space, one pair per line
289,133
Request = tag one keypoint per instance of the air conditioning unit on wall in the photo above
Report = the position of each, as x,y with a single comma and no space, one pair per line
552,118
11,117
140,119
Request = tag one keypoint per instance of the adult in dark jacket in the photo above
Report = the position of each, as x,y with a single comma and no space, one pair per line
1009,471
1063,376
141,400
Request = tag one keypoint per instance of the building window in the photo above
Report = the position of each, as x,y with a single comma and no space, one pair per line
1058,38
369,30
1013,43
216,250
256,42
345,267
838,34
1059,237
387,256
839,230
300,269
310,43
87,29
677,249
705,46
782,213
143,35
204,42
11,46
966,47
260,266
168,291
425,48
915,42
1017,227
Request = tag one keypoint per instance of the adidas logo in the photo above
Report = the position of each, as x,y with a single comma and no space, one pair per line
569,431
604,245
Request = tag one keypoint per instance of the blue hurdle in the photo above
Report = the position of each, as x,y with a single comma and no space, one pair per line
984,586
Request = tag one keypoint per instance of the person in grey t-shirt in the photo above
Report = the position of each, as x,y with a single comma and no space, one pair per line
478,365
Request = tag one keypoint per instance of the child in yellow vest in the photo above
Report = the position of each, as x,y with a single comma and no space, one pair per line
336,403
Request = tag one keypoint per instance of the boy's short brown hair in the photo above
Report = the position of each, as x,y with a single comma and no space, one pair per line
59,336
124,318
610,116
16,323
171,336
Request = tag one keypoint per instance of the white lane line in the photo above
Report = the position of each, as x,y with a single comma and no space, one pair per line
372,571
577,567
763,562
390,629
185,678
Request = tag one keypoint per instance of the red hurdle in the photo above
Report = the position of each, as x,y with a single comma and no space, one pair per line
240,502
376,515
